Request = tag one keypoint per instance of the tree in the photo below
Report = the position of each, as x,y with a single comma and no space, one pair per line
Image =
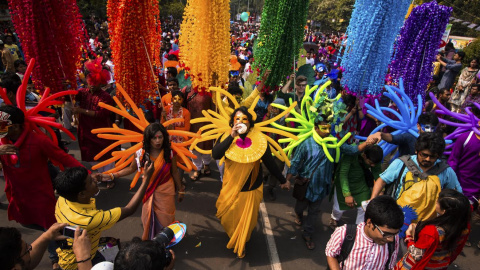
334,15
93,7
472,50
174,8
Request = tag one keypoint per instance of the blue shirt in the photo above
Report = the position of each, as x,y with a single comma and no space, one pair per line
448,178
310,161
406,143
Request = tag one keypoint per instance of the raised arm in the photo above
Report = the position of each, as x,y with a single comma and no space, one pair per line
132,206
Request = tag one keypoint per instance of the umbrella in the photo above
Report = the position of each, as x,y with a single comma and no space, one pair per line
309,46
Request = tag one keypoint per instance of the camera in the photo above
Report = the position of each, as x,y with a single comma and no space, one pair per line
164,238
69,231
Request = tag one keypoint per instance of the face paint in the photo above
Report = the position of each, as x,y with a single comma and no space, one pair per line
5,124
177,99
428,128
240,118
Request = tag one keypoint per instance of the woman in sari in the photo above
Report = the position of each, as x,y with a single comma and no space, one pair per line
158,209
242,189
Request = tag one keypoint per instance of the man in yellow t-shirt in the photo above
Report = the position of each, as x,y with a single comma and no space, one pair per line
76,207
14,50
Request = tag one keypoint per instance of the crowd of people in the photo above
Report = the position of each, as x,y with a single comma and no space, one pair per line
364,179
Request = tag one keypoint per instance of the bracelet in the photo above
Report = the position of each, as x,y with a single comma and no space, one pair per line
181,192
82,261
112,176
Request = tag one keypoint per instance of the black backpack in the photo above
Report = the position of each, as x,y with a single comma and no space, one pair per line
348,242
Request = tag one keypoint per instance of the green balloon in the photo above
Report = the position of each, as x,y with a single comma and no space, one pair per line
244,16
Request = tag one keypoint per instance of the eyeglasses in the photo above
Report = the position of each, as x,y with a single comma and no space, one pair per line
385,234
425,156
29,248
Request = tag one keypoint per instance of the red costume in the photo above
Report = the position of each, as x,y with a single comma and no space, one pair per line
28,185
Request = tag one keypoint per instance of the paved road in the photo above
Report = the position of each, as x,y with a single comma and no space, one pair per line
204,247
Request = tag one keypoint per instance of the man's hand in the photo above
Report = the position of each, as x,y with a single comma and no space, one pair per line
101,177
286,185
8,149
374,138
81,245
350,202
55,232
148,170
77,110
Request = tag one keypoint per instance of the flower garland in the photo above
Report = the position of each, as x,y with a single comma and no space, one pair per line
134,28
280,38
49,31
417,46
371,34
205,43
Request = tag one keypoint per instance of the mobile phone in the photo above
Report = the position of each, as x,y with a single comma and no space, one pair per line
146,159
69,231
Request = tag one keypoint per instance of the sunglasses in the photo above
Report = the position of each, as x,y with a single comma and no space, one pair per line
424,156
4,125
385,234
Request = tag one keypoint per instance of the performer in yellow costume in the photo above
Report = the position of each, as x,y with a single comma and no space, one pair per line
242,145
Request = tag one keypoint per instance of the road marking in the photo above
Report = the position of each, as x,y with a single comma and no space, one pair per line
267,230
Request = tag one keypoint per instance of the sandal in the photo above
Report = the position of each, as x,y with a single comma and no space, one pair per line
298,220
194,177
206,170
309,242
468,244
110,184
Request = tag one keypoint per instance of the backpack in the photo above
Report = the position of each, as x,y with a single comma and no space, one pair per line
420,189
348,242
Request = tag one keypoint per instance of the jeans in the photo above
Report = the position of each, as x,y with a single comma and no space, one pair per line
313,209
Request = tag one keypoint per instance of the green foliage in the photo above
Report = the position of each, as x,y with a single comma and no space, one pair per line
172,7
334,15
93,7
472,50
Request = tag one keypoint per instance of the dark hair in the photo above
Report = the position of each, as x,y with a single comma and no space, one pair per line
431,141
384,211
374,153
172,80
172,57
149,133
461,54
440,92
177,93
19,62
455,219
234,89
10,81
10,247
476,85
16,115
71,182
474,110
318,122
428,118
300,79
172,71
245,111
141,255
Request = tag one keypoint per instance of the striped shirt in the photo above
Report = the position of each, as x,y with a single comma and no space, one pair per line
87,217
365,254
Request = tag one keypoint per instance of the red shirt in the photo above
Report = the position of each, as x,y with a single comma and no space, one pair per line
29,188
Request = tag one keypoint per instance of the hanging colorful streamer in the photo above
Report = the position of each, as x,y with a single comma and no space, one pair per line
463,122
417,46
135,31
205,43
49,31
371,33
280,38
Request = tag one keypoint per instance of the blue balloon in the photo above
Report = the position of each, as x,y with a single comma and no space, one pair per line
244,16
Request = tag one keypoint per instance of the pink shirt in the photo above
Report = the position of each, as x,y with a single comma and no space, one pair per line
365,253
